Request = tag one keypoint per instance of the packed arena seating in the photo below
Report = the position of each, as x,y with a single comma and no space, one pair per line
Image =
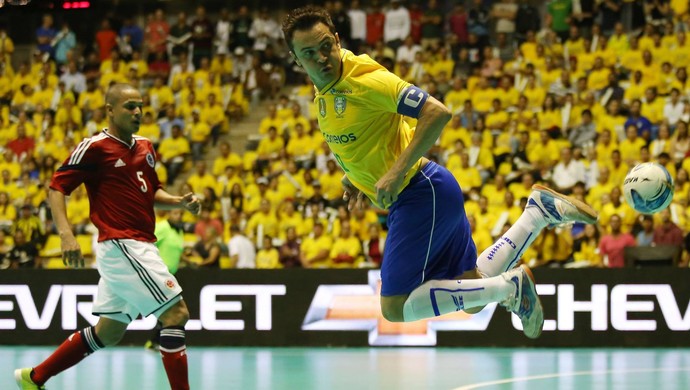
539,93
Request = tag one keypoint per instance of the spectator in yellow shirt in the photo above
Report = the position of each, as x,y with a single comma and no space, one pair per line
173,152
331,182
269,148
198,133
201,179
617,206
226,158
347,249
267,257
545,153
213,115
265,220
149,129
630,147
315,250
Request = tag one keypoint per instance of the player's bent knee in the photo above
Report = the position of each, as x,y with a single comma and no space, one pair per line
110,332
392,308
176,315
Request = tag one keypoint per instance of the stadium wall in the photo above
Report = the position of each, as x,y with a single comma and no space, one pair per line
583,308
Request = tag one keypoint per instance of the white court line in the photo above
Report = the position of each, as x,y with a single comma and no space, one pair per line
564,374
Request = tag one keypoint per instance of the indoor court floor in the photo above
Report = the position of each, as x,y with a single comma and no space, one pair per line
131,368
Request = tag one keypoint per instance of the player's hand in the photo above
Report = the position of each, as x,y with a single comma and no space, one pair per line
191,203
351,195
71,252
387,189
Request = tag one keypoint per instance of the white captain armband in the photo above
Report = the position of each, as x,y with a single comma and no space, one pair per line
411,101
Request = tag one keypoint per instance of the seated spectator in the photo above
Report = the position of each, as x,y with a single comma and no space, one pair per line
173,152
642,124
586,248
199,133
567,172
331,183
290,254
24,253
241,249
583,135
264,219
30,225
668,233
267,257
680,142
208,250
206,221
269,148
5,247
347,250
374,246
227,158
8,213
616,206
612,245
22,146
646,236
315,249
201,179
78,211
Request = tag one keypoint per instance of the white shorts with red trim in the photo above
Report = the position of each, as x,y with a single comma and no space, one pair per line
134,280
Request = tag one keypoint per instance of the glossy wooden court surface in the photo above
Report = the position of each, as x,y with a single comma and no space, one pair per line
130,368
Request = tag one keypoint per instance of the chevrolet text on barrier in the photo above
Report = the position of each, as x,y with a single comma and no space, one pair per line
592,308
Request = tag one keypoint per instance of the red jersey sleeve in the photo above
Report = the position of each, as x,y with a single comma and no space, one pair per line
79,167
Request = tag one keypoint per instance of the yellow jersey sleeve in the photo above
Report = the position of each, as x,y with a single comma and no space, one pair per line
361,118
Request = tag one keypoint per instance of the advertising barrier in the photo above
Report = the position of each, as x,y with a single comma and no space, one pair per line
583,308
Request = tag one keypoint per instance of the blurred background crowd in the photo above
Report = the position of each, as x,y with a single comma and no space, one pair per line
571,93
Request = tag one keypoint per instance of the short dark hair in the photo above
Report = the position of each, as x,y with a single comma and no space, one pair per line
305,18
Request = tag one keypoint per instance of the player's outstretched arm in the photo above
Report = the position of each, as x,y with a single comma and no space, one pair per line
430,122
165,201
71,251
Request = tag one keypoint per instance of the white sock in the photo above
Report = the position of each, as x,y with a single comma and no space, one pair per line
505,253
438,297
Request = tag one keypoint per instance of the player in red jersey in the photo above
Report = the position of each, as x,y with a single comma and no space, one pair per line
117,168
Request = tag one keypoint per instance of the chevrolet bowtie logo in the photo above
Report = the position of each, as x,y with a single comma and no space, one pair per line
356,307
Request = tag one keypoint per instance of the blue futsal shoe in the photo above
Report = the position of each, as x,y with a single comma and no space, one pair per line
524,302
560,209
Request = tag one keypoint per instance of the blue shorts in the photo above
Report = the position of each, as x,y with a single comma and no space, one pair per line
429,235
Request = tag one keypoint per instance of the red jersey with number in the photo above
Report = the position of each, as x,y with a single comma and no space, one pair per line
121,182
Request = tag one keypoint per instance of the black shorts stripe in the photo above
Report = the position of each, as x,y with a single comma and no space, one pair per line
100,313
143,276
159,307
146,272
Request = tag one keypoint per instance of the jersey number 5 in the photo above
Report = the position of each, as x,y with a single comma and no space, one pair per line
140,176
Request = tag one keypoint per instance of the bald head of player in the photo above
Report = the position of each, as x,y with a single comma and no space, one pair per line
314,44
123,105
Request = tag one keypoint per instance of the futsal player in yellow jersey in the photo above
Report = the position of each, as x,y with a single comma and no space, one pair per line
430,264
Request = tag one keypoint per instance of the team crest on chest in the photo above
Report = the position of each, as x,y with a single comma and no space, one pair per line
340,104
150,160
322,107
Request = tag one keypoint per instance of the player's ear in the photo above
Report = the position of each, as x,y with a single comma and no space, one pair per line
337,39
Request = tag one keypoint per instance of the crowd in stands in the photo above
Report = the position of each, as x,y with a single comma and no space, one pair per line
572,94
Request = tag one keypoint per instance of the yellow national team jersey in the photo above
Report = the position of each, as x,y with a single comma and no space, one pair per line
359,120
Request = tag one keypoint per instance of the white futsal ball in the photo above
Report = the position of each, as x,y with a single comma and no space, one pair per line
648,188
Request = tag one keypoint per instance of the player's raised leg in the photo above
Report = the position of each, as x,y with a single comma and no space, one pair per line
172,345
515,290
75,348
545,207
